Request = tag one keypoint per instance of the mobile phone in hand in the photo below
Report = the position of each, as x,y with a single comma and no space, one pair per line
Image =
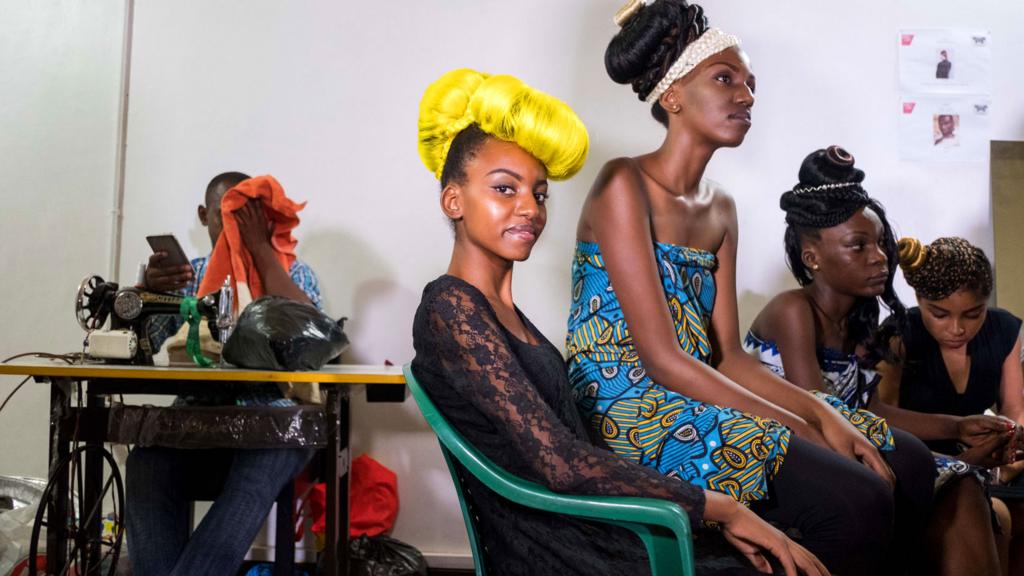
169,245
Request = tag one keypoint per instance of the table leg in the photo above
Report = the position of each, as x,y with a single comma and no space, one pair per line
284,533
90,515
338,460
57,507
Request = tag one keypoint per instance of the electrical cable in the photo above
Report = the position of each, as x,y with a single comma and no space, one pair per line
16,388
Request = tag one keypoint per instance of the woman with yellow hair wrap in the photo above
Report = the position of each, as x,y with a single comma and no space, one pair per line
955,357
494,142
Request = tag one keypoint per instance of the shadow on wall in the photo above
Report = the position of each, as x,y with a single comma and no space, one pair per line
749,303
358,282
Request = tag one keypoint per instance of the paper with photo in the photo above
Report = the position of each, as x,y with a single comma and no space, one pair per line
946,60
945,128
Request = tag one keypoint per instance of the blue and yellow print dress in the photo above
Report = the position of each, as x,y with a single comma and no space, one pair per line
717,448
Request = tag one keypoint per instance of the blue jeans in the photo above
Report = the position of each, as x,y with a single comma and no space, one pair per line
162,483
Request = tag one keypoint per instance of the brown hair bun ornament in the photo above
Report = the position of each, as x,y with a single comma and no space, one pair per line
839,155
912,253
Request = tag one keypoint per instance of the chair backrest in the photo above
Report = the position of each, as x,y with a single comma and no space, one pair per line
662,526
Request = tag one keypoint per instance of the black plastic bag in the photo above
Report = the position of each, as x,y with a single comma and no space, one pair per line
275,333
384,556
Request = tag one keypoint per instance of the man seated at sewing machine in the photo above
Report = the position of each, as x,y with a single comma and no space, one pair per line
298,283
162,482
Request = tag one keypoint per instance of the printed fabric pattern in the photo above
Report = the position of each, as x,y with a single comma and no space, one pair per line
713,447
847,387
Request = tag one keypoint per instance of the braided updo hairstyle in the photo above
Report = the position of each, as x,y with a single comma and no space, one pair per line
946,265
828,194
463,108
649,42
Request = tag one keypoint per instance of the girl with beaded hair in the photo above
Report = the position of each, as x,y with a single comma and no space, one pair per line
954,357
494,142
655,357
824,337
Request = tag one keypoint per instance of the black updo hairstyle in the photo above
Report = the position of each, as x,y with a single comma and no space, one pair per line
830,193
649,43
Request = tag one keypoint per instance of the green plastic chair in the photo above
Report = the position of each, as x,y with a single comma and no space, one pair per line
663,526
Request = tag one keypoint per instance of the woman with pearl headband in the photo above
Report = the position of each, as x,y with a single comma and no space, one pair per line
825,337
655,357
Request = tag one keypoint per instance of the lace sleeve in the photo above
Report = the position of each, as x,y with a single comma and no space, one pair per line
474,355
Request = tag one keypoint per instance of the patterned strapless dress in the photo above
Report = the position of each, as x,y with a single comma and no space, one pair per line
713,447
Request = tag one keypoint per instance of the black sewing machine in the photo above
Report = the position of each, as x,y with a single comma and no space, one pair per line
130,309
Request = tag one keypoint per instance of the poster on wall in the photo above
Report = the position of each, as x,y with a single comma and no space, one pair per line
944,128
946,60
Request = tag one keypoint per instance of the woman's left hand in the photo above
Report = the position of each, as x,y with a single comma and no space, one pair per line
848,441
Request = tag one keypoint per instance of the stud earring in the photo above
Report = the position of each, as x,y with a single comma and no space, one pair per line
815,267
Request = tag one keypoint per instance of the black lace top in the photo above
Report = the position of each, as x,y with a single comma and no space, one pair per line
511,400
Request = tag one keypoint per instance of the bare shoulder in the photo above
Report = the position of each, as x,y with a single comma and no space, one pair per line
787,311
618,193
718,197
619,176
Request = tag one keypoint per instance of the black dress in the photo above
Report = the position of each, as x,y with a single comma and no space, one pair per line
926,385
512,401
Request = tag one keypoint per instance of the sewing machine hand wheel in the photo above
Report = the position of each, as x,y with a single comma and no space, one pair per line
89,304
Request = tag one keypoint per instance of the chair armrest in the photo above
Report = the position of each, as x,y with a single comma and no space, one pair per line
638,510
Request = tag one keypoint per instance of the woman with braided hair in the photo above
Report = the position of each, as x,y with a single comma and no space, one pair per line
655,358
953,358
493,142
824,337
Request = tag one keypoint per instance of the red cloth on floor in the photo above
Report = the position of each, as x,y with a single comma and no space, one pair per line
230,256
373,500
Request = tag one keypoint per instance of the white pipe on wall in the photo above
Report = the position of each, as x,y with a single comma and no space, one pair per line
117,210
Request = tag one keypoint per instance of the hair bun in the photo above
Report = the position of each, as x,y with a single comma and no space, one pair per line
946,265
652,37
832,165
444,112
912,253
839,155
506,108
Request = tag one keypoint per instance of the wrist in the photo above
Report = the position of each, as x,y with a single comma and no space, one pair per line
719,507
819,413
951,426
262,251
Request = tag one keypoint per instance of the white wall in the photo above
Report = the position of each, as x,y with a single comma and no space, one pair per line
324,95
59,75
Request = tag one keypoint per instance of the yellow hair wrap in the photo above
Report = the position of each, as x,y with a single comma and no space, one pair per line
506,108
912,253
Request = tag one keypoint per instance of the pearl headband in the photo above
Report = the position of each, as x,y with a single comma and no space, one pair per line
711,42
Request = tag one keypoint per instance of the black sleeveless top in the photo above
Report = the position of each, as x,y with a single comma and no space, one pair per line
926,385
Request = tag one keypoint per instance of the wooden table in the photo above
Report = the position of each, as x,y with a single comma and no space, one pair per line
103,379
